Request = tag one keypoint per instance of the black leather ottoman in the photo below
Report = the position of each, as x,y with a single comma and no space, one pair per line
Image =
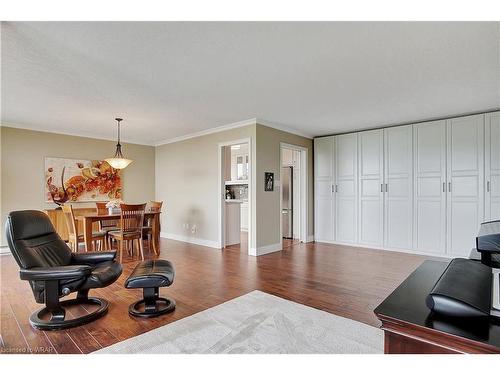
151,275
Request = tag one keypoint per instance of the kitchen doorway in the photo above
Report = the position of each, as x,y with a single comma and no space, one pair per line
235,225
293,183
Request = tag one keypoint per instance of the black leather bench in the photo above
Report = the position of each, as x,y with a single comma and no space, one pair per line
151,275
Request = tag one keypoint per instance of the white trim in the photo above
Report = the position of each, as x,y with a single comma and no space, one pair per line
124,141
201,133
310,238
221,193
304,196
234,125
4,250
406,251
265,249
284,128
192,240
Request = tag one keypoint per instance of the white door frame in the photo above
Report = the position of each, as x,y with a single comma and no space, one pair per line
222,193
304,194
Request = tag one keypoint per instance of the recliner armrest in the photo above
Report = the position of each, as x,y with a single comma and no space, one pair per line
93,258
55,273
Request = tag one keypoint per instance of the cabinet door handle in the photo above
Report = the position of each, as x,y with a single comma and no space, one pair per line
336,188
386,188
444,187
381,188
449,187
333,188
488,186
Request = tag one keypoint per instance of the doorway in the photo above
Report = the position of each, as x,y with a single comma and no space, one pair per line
293,182
235,195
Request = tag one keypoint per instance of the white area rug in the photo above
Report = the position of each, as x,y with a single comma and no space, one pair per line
257,322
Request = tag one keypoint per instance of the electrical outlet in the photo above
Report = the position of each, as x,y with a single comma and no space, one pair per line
193,229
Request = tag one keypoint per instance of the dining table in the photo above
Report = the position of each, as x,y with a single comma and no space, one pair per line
88,219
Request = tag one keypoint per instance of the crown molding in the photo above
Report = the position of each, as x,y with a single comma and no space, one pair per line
234,125
218,129
284,128
74,134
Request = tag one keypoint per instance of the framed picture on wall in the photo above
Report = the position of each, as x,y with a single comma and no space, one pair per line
80,180
269,181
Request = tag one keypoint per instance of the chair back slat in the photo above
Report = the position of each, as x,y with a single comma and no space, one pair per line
132,217
69,216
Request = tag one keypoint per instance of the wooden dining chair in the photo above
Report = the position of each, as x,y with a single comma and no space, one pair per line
75,238
154,206
131,223
106,225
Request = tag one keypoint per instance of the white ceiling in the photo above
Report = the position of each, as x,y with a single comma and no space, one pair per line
170,79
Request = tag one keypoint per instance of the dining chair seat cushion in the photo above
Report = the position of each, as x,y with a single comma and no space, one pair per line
125,235
110,229
98,234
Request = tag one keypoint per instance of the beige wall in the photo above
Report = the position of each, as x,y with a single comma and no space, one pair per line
22,166
187,183
268,203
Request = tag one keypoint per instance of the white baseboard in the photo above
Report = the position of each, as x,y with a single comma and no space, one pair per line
310,238
193,240
265,249
407,251
4,249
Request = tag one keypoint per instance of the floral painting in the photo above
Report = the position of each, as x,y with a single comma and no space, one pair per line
80,181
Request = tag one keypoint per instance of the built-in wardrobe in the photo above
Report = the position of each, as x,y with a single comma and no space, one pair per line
421,188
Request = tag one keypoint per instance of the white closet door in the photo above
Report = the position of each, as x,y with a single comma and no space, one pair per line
492,166
429,225
398,172
346,188
371,192
323,182
465,171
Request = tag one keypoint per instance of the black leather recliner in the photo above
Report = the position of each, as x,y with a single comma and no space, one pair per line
54,271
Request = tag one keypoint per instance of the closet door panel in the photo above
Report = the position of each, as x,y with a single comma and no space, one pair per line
346,192
492,166
429,219
371,178
398,163
323,182
465,170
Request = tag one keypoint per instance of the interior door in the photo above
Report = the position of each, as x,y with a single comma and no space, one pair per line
323,184
398,175
429,223
465,170
492,166
346,187
371,187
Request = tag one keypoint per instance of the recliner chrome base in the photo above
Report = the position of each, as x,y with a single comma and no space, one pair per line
57,320
151,308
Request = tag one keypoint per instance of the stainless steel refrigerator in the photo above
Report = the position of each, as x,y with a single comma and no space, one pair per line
287,201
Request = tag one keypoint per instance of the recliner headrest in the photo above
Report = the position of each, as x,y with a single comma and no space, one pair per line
29,224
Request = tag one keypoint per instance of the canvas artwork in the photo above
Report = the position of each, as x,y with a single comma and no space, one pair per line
80,181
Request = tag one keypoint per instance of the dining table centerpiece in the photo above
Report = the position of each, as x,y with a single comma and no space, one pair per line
113,206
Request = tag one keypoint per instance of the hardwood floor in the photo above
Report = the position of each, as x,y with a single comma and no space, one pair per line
346,281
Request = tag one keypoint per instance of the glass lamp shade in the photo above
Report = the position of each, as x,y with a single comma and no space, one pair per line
118,163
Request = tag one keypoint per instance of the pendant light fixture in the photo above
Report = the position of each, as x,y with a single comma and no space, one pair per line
118,161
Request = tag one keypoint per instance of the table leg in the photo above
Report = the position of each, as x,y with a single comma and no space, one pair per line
87,233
